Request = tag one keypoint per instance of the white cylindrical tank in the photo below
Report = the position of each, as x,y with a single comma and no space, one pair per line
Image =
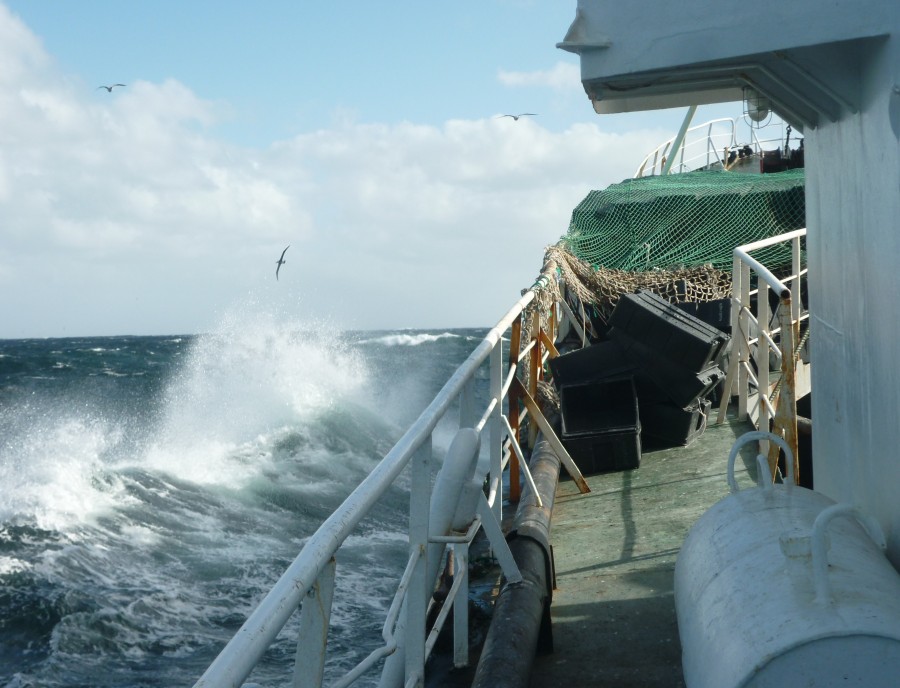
778,586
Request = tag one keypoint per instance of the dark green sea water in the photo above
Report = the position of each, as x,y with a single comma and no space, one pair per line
153,488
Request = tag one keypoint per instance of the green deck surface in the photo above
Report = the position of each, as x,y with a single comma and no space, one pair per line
613,610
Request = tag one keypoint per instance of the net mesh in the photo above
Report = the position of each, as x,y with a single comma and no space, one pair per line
687,220
599,289
673,235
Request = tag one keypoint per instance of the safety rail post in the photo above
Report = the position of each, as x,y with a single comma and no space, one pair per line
744,357
796,271
730,387
312,637
461,605
497,425
763,377
787,416
418,592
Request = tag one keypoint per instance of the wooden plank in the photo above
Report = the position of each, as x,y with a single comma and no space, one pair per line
536,368
549,345
515,343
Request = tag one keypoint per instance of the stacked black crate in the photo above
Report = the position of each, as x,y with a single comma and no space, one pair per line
649,384
677,355
600,422
601,427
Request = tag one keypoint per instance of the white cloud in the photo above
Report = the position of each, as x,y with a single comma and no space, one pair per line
564,76
30,58
122,213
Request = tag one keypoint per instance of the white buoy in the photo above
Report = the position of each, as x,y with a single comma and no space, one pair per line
778,586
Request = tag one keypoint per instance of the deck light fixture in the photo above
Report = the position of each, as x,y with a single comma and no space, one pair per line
757,108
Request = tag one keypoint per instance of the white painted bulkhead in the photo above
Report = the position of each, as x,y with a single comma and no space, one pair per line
853,212
833,70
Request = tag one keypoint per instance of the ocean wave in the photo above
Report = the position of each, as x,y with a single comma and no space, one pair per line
409,339
53,473
240,390
10,565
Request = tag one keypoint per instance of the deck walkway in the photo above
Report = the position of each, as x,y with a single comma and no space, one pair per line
613,606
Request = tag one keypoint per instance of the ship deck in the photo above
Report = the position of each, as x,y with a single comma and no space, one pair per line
613,611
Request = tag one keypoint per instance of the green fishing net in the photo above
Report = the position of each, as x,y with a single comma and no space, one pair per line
686,220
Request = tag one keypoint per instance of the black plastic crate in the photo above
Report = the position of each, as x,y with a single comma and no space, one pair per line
668,330
716,313
602,361
666,425
601,425
605,452
599,361
673,382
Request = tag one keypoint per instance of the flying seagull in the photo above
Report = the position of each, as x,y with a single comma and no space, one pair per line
521,114
109,88
281,261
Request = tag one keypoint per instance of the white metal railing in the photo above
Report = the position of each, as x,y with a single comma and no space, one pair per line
763,368
705,146
435,524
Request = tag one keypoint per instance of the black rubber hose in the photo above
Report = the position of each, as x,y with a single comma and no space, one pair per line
520,624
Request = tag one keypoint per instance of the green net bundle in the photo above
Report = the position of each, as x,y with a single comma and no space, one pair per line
685,220
675,235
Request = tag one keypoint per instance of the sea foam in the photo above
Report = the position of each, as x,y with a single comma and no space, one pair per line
254,379
403,339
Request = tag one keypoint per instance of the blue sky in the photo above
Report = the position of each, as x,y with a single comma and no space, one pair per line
278,68
365,135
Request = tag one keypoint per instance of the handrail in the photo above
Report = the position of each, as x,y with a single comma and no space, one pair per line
658,157
754,337
707,148
314,565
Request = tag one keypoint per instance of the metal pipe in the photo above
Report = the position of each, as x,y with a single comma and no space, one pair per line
495,436
771,241
679,138
763,272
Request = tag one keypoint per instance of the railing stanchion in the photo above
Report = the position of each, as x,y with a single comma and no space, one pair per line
763,378
731,387
419,592
498,429
461,606
743,335
796,302
788,417
315,615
